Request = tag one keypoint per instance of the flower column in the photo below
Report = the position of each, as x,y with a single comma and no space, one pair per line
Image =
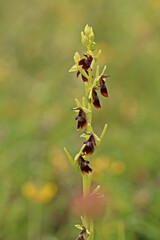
86,68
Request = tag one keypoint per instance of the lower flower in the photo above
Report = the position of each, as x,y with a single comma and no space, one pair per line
83,164
82,234
89,145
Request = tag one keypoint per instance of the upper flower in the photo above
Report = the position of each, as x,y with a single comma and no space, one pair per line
86,63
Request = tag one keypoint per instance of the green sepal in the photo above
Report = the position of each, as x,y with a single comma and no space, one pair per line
84,222
78,103
73,68
88,232
77,57
82,71
80,227
92,63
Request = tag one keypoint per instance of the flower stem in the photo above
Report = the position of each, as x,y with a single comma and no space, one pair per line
86,183
91,237
87,178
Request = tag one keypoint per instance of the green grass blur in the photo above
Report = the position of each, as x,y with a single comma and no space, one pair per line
37,42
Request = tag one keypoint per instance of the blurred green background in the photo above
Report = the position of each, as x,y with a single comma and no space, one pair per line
37,44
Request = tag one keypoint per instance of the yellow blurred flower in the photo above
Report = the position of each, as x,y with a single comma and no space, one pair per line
58,160
108,53
39,194
154,3
3,72
117,167
102,164
128,109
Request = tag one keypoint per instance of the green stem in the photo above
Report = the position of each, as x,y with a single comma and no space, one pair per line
86,183
91,237
87,178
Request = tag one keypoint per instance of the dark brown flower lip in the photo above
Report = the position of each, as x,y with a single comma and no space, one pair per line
95,98
81,118
103,88
86,62
84,165
83,78
89,145
82,234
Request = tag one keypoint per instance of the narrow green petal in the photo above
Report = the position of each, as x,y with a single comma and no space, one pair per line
84,222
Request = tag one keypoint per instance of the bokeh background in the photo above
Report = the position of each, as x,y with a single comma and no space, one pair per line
37,42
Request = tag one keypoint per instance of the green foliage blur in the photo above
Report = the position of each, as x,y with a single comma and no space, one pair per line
37,42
